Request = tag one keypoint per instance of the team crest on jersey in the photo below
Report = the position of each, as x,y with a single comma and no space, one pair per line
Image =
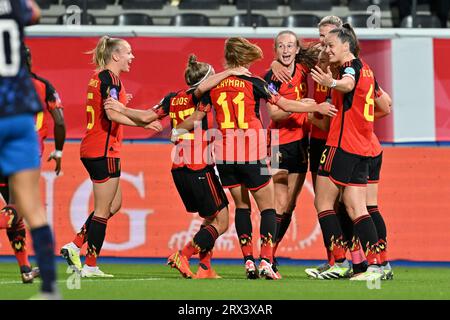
93,83
271,89
113,93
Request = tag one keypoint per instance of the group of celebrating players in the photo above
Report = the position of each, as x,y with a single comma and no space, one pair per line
333,132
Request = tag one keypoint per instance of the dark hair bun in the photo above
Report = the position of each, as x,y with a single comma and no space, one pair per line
192,60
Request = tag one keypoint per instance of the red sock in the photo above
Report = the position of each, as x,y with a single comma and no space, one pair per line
267,248
81,236
8,217
205,259
383,251
246,245
190,249
17,239
330,257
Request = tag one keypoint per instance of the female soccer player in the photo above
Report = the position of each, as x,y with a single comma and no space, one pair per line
19,150
100,149
288,137
344,162
50,100
192,166
241,149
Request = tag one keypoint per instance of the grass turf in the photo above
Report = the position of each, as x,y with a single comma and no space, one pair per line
160,282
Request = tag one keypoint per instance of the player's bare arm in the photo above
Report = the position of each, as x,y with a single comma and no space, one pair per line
139,117
344,85
310,105
383,105
213,80
59,132
280,72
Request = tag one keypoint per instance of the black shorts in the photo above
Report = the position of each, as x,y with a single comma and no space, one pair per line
375,168
102,169
200,191
253,176
316,147
292,156
343,168
3,181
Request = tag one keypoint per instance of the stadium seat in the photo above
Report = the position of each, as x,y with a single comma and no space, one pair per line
91,4
358,20
422,21
300,20
63,19
241,20
362,5
189,19
323,5
257,4
199,4
132,19
45,4
142,4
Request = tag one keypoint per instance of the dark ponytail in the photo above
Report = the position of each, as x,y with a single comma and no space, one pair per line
347,35
308,55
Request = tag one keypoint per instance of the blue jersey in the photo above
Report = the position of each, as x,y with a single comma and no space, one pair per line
17,93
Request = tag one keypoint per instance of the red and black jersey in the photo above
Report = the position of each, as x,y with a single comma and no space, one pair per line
236,101
103,137
352,127
191,151
375,146
50,100
291,129
321,93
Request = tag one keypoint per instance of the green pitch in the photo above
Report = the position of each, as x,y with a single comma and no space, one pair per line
152,281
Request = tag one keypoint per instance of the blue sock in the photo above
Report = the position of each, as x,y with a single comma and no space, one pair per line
44,250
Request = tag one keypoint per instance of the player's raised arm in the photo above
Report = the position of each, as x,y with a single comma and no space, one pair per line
211,80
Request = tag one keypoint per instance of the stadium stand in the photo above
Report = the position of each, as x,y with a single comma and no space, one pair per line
311,5
358,20
199,4
220,12
132,19
241,20
142,4
45,4
300,20
64,19
258,4
422,21
91,4
189,19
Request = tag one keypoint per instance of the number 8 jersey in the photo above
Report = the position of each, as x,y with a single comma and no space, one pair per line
103,137
351,129
17,94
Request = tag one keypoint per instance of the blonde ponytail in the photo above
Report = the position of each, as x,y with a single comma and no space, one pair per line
102,53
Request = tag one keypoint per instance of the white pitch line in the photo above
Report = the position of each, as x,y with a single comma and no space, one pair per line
93,279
